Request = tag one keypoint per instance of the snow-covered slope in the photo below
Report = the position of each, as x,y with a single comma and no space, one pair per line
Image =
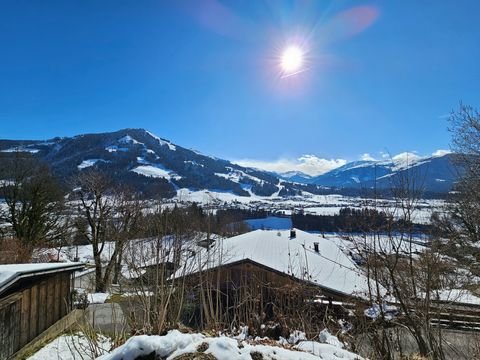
146,162
158,168
296,176
434,174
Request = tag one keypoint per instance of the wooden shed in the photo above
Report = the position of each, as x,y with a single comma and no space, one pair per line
32,298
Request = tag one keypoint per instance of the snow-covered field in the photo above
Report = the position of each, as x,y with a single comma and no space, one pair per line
308,203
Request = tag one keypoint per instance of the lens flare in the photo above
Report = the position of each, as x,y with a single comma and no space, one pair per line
292,60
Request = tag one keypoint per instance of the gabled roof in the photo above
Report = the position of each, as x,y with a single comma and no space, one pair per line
9,274
329,268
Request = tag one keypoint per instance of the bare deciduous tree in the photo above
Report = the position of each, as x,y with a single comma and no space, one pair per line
412,275
34,201
95,208
465,209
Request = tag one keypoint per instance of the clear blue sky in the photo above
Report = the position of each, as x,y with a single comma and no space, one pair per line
381,74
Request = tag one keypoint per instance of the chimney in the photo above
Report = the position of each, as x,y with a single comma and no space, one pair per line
293,234
315,247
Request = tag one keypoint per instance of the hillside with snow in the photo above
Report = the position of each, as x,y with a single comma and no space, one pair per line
158,168
436,174
146,162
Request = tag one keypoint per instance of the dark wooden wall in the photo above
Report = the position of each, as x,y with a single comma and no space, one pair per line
33,308
10,312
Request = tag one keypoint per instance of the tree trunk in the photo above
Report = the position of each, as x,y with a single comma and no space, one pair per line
99,283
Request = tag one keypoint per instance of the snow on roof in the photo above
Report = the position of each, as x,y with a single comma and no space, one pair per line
457,296
330,268
12,272
142,253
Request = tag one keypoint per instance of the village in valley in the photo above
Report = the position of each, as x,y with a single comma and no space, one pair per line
88,273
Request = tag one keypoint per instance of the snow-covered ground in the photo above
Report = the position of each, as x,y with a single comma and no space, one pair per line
176,343
94,298
80,347
308,203
73,347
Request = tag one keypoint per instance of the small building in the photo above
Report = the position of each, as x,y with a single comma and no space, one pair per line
33,297
271,274
294,254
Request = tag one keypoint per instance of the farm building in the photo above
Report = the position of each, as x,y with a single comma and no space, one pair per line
269,273
294,254
32,298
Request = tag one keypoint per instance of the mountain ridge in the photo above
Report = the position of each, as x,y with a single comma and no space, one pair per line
158,167
142,159
437,172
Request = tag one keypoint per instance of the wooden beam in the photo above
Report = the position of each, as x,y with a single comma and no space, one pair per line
33,312
25,317
50,300
42,300
58,297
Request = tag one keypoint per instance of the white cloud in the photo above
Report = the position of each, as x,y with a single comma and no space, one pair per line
406,156
384,155
367,157
441,152
308,164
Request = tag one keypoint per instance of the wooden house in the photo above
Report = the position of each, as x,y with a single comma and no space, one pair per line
254,273
33,297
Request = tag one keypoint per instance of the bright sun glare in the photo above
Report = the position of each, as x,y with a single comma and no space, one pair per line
291,60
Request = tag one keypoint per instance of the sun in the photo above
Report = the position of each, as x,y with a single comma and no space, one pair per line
292,59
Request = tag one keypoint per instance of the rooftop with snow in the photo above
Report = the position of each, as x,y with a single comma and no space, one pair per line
295,256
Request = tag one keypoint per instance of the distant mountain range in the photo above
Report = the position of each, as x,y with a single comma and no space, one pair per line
296,176
158,168
435,174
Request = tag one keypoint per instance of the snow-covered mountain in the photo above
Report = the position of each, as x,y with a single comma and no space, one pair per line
296,176
158,168
146,162
434,173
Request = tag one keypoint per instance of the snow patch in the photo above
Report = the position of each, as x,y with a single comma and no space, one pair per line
21,149
129,140
115,148
375,311
175,344
89,162
163,142
326,338
156,172
73,347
